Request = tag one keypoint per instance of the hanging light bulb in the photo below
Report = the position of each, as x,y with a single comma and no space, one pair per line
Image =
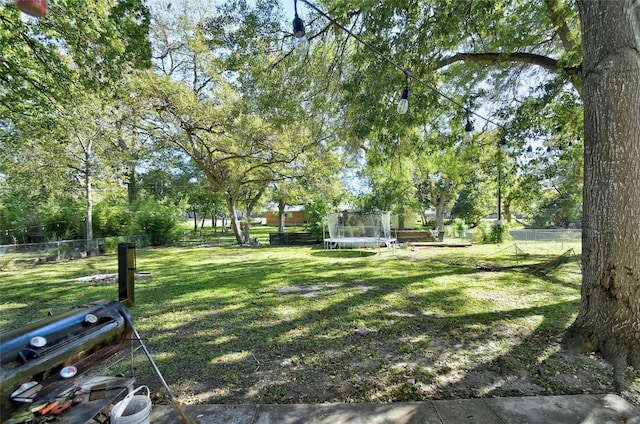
503,145
403,104
468,128
300,42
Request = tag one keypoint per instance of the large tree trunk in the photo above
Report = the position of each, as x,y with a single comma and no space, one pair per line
281,215
132,185
441,204
89,200
235,224
609,318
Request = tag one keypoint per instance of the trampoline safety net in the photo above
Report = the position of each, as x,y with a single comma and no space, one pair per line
359,227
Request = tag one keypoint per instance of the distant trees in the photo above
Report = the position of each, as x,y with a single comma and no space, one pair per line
59,77
226,91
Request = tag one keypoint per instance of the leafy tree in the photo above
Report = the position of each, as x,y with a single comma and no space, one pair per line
285,193
205,202
609,311
68,64
300,108
112,216
158,221
440,176
475,200
391,187
505,45
316,215
194,106
85,155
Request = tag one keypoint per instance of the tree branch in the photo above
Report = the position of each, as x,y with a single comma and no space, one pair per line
560,24
528,58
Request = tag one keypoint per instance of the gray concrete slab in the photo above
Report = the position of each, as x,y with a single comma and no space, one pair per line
578,409
352,413
206,414
583,409
466,411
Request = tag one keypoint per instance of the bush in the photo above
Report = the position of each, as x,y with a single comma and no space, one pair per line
316,216
497,233
458,228
479,234
63,221
494,233
160,222
110,244
111,217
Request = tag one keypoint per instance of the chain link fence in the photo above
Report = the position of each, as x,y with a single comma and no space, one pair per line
62,250
537,234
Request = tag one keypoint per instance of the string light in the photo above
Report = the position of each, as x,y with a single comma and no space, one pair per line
300,41
468,128
403,104
394,64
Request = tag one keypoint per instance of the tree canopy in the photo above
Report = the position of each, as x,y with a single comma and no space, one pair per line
224,88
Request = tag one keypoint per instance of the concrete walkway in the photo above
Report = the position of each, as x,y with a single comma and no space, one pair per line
575,409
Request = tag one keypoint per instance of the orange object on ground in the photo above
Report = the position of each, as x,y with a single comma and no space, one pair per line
61,407
49,408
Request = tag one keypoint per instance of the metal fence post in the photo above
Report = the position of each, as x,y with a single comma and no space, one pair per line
126,273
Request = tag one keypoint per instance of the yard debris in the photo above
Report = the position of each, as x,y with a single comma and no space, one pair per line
97,279
555,262
535,268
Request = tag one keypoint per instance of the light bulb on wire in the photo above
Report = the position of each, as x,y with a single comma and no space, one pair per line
504,147
403,104
468,128
300,42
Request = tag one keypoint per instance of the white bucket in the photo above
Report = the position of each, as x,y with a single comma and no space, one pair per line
133,409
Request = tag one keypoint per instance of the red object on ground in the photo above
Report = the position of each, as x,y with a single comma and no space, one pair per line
36,8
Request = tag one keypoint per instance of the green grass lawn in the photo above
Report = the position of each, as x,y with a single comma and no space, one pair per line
301,324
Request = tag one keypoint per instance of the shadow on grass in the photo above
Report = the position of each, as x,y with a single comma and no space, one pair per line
354,335
389,328
343,253
339,353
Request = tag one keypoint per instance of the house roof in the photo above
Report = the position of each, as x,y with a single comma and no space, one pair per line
273,207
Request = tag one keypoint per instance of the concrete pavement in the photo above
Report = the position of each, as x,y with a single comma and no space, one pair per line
573,409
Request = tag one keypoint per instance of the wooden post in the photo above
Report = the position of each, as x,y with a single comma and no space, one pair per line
126,273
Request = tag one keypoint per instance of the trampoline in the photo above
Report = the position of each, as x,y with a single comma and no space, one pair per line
359,230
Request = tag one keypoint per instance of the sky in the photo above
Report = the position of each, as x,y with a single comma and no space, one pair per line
287,5
289,10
